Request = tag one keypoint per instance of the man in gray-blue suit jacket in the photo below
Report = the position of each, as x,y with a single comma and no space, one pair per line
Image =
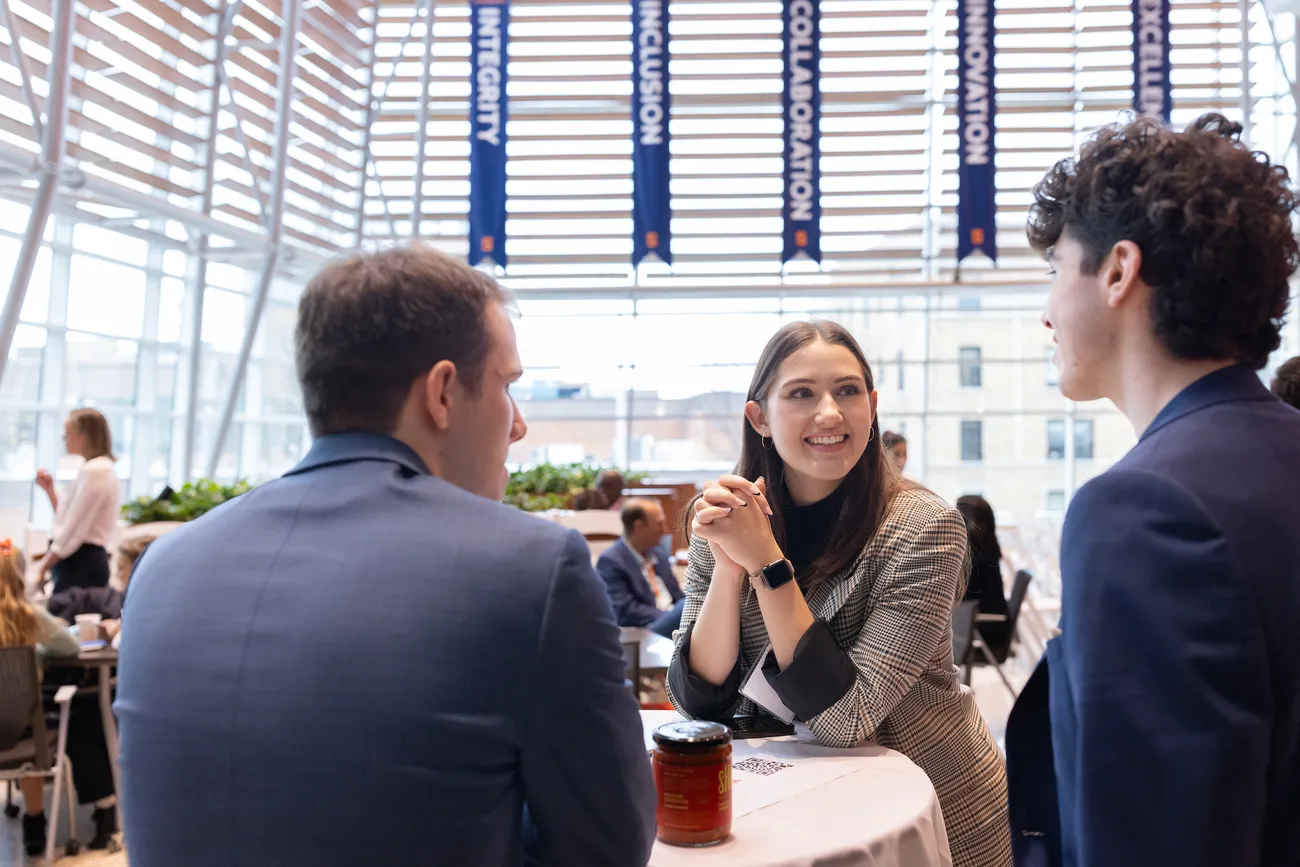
1163,727
371,661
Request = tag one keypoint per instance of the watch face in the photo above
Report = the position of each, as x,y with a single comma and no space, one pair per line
778,574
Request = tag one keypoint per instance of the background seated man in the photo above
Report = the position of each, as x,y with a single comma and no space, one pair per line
610,483
638,576
1286,382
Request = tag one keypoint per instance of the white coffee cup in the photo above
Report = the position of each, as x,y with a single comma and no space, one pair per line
88,626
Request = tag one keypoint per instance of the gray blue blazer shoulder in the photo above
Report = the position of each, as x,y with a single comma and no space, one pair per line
886,624
360,663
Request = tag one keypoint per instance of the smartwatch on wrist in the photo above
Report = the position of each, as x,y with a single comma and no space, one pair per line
775,575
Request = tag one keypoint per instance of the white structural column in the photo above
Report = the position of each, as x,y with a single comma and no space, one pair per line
924,444
1247,106
143,445
1071,462
52,147
275,222
933,140
198,259
54,364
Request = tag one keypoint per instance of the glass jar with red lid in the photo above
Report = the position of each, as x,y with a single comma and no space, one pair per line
692,769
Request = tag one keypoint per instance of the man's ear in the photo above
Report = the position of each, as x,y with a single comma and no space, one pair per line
440,393
1121,272
757,418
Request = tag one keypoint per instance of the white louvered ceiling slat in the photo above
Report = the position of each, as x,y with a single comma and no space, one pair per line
143,67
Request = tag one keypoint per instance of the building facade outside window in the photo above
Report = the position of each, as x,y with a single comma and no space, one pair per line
1083,439
969,362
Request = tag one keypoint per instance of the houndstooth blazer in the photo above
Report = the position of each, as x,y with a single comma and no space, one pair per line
892,613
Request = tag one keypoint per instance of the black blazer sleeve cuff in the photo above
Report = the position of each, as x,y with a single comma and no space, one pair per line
697,696
820,674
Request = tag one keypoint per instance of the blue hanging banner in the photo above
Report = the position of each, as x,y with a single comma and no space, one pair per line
488,111
1152,91
801,108
651,112
976,130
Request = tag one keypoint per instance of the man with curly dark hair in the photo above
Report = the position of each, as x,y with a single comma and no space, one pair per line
1286,382
1163,726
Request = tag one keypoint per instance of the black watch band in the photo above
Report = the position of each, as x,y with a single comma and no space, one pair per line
777,574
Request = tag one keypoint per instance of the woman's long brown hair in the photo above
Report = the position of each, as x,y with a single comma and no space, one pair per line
981,527
94,427
17,620
867,488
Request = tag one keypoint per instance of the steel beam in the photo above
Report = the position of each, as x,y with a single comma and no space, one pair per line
52,148
240,136
369,125
375,105
198,259
291,10
422,120
80,187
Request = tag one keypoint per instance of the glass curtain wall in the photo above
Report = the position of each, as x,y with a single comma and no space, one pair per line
648,368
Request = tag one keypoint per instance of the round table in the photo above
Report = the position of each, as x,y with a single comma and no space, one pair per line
865,806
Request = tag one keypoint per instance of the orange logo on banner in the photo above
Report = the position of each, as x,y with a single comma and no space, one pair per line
652,239
977,236
801,238
488,244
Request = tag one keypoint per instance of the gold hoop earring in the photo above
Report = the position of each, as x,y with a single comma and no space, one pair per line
764,441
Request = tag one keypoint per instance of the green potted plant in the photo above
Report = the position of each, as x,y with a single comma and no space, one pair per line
191,501
552,486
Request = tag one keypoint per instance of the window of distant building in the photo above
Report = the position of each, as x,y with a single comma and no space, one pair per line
969,361
972,441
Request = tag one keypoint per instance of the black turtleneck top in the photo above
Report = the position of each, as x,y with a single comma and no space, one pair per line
808,529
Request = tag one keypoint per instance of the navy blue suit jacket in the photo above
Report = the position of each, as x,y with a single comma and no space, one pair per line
360,663
629,592
1173,690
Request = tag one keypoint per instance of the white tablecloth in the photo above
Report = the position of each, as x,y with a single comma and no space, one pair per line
881,811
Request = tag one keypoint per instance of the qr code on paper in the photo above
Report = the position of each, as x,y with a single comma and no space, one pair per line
760,767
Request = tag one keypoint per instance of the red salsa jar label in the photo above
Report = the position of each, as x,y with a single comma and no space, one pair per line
694,798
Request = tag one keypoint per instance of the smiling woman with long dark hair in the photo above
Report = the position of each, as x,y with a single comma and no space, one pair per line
817,551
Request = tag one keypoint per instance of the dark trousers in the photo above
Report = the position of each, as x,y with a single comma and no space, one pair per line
92,774
85,567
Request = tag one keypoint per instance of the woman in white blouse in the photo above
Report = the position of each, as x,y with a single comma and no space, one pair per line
85,514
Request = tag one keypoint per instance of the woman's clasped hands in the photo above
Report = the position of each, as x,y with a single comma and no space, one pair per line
733,516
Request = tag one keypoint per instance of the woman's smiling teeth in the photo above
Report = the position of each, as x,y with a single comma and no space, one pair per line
828,440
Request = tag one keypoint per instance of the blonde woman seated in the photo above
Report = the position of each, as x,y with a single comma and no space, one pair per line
816,551
23,624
